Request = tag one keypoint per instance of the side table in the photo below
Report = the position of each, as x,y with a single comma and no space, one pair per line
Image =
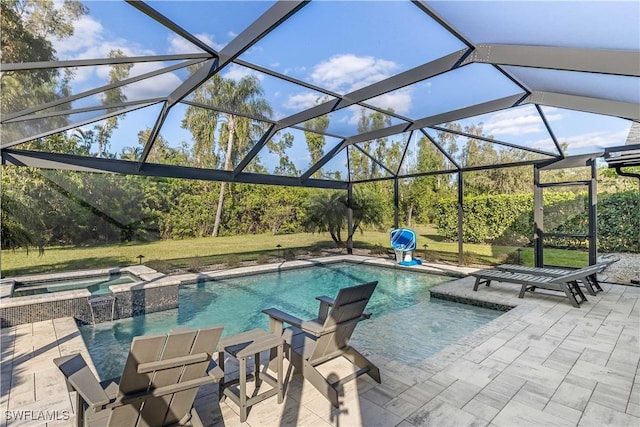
241,346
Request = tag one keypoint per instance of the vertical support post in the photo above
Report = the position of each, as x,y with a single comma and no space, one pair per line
350,218
593,214
538,213
396,202
460,220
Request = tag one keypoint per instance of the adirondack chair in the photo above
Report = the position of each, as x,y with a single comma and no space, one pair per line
159,383
309,344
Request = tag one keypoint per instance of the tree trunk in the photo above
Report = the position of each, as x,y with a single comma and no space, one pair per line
227,166
409,215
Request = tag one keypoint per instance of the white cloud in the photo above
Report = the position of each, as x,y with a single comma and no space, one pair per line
399,101
348,72
236,72
516,122
157,86
593,141
301,101
179,45
87,34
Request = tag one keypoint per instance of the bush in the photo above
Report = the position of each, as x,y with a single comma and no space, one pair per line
508,219
232,261
263,259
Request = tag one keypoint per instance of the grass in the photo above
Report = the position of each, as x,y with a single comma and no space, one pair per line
195,254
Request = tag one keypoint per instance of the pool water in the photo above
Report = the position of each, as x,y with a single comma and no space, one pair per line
406,325
95,285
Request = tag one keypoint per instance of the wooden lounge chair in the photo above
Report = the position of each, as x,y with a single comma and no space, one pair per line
158,385
309,344
591,283
567,283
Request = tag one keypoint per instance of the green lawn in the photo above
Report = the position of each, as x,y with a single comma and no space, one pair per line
194,254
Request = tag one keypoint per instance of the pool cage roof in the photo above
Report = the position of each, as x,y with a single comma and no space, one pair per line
367,78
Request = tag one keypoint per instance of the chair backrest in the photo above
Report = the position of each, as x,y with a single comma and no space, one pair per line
343,317
578,274
169,409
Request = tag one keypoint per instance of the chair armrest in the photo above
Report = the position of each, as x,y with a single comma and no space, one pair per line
81,379
276,314
326,299
325,304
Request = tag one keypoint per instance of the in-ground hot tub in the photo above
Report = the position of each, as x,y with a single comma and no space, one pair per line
97,285
116,292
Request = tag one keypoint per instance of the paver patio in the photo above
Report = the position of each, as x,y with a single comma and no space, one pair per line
542,363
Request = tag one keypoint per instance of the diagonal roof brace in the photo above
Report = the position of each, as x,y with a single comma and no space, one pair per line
617,62
624,110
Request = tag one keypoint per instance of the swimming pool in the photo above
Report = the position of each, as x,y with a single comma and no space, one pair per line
97,285
406,325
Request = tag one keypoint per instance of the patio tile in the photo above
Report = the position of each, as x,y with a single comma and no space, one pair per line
603,374
383,393
485,349
572,396
492,398
533,395
612,397
480,410
459,393
440,413
422,393
599,415
625,354
505,354
569,414
443,379
354,411
520,414
535,373
401,406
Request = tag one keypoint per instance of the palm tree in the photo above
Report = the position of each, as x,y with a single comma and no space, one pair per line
244,96
327,211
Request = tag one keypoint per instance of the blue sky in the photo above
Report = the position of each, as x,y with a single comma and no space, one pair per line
346,45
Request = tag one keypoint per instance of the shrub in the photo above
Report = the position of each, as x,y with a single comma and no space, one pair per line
232,261
263,259
508,219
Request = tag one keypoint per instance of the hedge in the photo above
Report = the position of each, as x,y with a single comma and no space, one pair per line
508,219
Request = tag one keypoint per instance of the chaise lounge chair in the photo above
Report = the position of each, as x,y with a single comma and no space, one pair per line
159,383
309,344
590,282
567,283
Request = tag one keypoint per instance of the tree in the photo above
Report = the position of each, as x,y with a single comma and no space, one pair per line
27,27
285,165
245,97
117,73
326,211
315,140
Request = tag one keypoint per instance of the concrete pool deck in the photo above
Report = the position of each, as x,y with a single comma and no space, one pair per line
542,363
